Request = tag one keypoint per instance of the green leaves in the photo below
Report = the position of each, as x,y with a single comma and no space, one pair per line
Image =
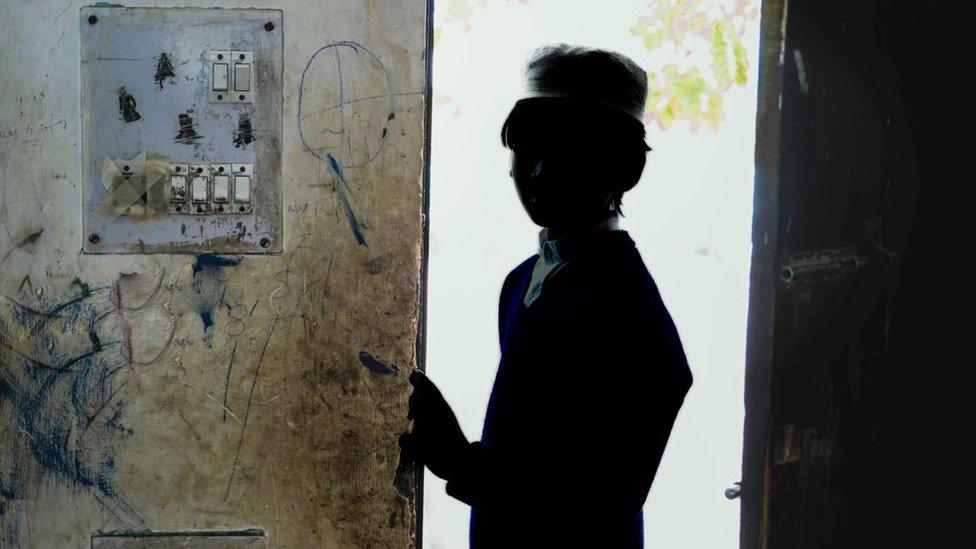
698,30
686,81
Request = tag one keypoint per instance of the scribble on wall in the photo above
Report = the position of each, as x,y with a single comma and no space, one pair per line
60,363
210,287
357,91
274,415
352,130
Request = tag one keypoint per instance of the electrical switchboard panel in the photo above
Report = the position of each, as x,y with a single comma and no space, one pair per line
181,127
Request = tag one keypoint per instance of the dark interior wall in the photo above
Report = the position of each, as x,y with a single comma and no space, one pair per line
850,342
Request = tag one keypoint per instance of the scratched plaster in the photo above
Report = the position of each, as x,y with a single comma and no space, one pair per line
214,393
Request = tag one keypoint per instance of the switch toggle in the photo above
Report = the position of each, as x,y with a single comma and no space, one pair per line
220,191
220,76
242,188
231,76
179,187
221,188
177,184
243,182
198,189
242,77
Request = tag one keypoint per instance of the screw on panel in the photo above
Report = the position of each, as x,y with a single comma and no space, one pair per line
265,242
269,26
92,19
94,238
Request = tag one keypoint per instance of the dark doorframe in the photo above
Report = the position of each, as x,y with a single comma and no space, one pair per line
851,334
762,295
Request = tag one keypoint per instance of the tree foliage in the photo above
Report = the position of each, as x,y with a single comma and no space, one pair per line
695,54
694,30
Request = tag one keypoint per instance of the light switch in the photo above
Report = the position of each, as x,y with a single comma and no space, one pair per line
220,76
177,184
221,188
199,190
232,76
242,188
242,76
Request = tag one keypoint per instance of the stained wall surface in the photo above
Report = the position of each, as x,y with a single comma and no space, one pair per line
203,392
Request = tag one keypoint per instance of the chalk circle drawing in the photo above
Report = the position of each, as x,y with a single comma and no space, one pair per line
345,109
345,104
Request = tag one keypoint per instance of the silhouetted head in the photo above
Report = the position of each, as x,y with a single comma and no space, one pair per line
577,137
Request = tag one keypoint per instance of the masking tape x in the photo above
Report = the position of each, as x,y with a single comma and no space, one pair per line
126,189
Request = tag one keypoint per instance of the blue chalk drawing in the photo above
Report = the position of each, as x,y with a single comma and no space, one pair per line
210,283
60,411
343,186
376,365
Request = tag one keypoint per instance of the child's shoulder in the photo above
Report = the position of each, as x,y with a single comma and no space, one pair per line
521,268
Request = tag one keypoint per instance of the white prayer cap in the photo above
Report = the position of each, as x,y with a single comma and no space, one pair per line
601,76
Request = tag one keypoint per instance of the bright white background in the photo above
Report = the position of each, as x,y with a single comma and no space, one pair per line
690,217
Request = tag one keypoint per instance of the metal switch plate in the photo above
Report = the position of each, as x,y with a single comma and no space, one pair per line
164,121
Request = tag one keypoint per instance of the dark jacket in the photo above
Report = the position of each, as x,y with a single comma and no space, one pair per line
591,377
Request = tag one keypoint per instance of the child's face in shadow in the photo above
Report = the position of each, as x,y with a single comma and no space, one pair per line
558,181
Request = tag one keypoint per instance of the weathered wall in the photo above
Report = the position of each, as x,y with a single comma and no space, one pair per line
120,408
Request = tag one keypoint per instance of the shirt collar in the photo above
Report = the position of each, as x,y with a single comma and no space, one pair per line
562,249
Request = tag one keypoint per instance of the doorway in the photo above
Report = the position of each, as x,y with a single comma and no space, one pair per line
690,216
